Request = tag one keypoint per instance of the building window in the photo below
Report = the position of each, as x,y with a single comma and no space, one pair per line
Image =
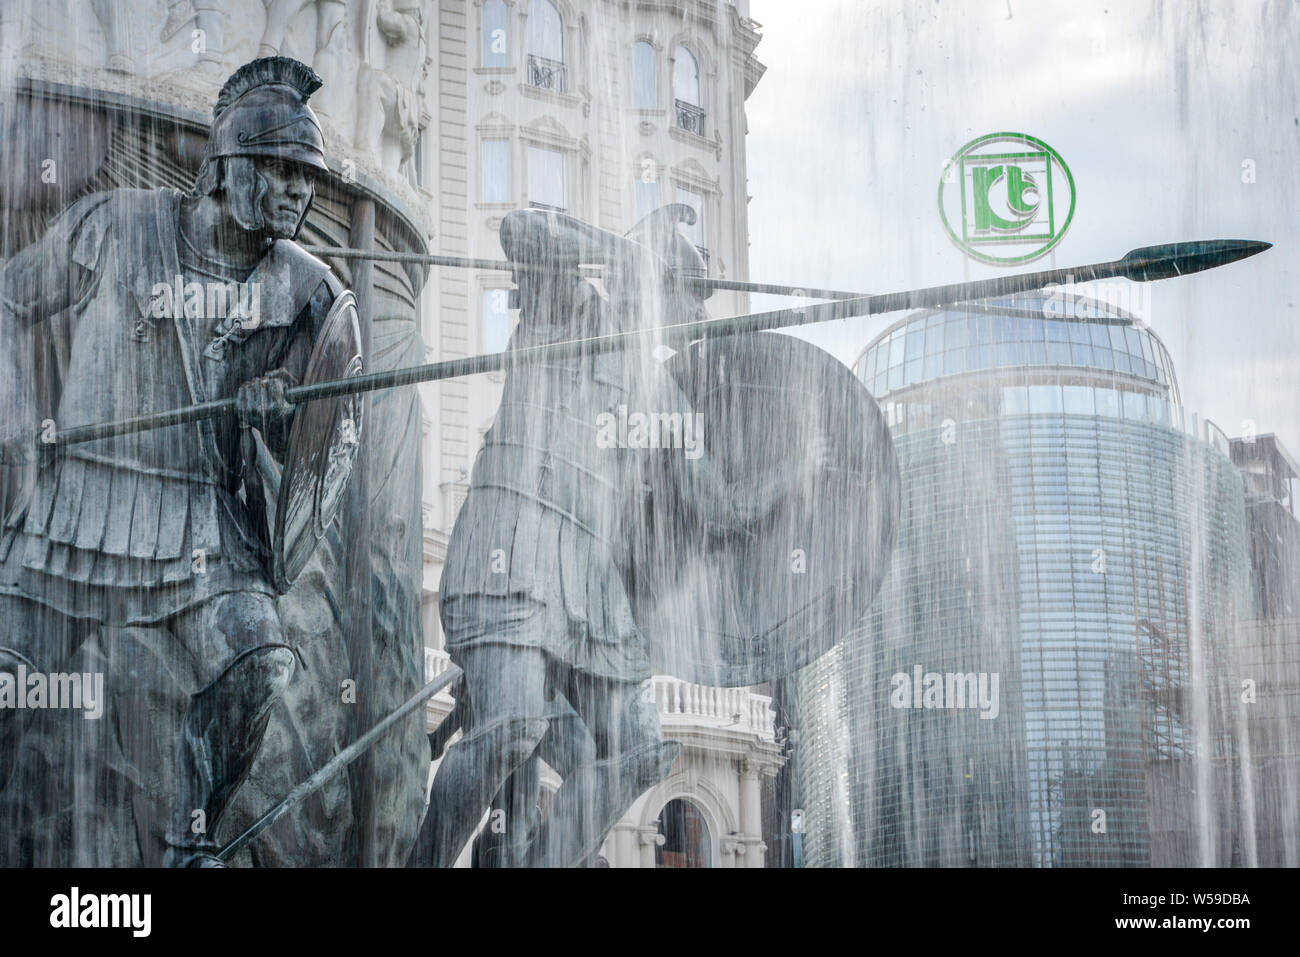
546,47
643,76
496,53
686,836
546,186
647,198
686,92
695,233
496,171
496,320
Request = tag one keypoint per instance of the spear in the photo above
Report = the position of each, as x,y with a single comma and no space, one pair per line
1145,264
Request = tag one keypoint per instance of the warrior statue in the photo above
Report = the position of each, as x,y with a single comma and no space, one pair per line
533,597
151,300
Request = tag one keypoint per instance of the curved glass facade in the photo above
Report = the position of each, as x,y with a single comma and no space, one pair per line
1068,565
951,342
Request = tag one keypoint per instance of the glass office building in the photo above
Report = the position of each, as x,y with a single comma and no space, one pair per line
1039,681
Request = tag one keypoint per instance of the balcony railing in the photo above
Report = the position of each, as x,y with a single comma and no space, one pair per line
724,708
546,74
690,117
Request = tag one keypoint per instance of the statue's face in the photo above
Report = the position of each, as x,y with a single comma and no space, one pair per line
288,194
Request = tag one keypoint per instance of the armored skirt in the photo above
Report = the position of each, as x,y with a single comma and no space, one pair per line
127,548
521,573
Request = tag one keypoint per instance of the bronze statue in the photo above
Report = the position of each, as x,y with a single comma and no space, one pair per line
152,300
533,597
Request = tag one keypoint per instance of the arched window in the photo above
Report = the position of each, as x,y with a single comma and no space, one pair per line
643,76
545,46
686,836
496,53
686,91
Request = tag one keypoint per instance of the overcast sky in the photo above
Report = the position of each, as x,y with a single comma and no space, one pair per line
1154,107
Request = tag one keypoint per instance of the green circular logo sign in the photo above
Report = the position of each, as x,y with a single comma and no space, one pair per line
1006,198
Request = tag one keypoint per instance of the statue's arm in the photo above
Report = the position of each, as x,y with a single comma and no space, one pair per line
261,401
732,504
40,281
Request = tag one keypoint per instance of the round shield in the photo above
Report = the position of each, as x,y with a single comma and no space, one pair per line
323,443
774,549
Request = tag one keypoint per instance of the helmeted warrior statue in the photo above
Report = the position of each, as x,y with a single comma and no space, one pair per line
151,300
533,600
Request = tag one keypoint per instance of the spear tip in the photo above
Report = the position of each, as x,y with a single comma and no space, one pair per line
1181,259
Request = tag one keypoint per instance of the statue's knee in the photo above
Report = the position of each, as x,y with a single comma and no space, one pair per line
522,737
248,621
273,668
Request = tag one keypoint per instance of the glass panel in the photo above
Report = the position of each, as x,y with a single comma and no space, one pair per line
912,371
1056,331
955,333
1146,346
643,66
1081,355
545,31
1015,400
1079,332
1007,354
496,171
1122,361
1100,335
1058,353
1044,398
895,376
933,337
915,337
546,177
647,198
1134,341
954,360
1077,399
496,320
933,365
495,52
1107,401
1036,353
977,357
896,349
1135,405
1101,358
686,77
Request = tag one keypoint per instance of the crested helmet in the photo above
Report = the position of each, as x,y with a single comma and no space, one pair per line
262,111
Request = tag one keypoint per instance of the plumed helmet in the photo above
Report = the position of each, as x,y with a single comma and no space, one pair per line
658,231
262,111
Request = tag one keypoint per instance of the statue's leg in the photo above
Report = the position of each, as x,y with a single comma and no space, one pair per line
507,685
330,58
279,15
239,637
631,757
512,819
11,661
